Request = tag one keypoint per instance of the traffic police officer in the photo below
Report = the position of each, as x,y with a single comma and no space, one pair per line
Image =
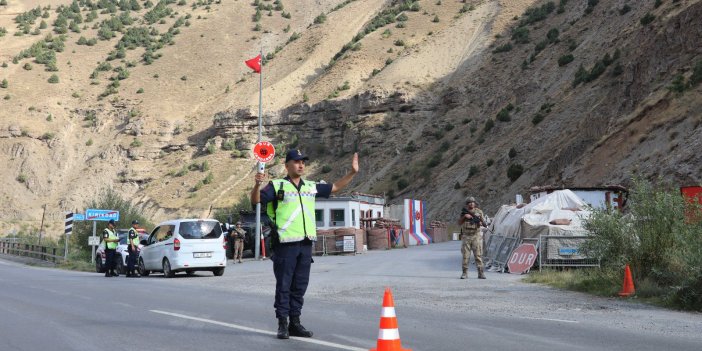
133,249
471,220
290,204
111,240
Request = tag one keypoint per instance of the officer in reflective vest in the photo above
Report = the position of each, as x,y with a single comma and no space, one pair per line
133,249
290,204
111,240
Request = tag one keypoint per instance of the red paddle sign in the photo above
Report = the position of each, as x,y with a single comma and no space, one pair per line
264,151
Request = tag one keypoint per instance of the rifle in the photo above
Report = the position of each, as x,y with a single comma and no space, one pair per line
475,219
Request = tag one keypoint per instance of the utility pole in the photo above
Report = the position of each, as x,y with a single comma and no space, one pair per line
41,228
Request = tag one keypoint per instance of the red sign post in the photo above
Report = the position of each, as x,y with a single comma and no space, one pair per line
522,258
264,151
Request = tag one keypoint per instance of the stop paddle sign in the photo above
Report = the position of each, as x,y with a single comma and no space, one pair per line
522,258
264,151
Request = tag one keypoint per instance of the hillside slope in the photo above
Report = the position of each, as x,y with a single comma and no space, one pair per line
417,87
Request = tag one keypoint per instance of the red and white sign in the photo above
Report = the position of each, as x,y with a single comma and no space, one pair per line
264,151
522,258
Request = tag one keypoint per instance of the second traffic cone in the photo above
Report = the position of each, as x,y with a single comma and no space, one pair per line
628,285
389,335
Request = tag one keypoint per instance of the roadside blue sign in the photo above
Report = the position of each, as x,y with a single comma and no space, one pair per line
101,215
567,251
78,217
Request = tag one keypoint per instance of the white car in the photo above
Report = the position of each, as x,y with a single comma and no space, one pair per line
122,250
184,245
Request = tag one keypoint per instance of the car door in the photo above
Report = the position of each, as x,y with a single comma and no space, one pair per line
148,252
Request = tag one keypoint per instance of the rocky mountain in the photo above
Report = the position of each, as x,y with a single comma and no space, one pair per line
442,99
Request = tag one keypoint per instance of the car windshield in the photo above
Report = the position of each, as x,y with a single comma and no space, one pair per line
200,230
123,238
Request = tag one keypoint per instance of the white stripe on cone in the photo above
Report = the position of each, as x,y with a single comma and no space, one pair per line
389,334
388,312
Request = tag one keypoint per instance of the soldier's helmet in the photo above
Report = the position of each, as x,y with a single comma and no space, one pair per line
471,199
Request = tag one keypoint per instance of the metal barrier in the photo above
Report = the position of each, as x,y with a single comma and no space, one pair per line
334,245
564,251
44,253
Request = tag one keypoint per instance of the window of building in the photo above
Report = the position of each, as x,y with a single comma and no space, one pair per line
337,218
353,218
319,217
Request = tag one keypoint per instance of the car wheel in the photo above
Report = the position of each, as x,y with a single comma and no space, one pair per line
98,265
142,269
218,272
167,271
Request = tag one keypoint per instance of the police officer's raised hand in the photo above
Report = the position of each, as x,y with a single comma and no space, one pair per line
354,163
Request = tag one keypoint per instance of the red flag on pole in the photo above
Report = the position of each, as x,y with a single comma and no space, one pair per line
254,63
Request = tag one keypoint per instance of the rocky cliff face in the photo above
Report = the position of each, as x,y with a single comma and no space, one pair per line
448,142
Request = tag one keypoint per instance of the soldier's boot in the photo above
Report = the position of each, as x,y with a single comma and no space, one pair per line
283,328
296,329
481,273
465,274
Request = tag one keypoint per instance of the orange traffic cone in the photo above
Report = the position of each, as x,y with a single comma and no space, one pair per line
628,286
389,335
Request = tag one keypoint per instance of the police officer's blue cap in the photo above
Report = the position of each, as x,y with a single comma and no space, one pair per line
135,222
295,155
112,221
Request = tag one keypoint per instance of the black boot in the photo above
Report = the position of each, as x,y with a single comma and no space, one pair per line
296,329
283,328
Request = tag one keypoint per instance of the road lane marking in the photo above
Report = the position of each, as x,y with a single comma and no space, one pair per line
259,331
550,319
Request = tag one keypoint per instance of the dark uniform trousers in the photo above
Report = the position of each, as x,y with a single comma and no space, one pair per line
110,259
291,266
131,259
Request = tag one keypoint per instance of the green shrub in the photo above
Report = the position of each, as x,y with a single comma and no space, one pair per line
211,149
502,48
435,19
136,143
538,117
402,183
565,59
320,19
514,171
591,6
208,179
647,19
89,142
473,170
512,153
53,79
520,35
4,84
655,237
489,124
489,162
326,169
624,10
22,178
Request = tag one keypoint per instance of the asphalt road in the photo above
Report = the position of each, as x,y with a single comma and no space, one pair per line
42,308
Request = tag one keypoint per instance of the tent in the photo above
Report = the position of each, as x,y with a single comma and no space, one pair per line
560,213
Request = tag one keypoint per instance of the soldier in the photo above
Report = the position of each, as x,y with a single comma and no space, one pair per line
111,240
471,220
290,204
133,249
238,235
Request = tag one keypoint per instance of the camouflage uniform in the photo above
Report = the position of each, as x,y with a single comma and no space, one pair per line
472,241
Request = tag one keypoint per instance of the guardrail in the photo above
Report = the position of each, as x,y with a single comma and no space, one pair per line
44,253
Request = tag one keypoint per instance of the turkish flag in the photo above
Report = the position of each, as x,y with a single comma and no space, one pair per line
254,63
